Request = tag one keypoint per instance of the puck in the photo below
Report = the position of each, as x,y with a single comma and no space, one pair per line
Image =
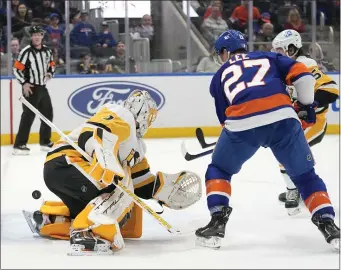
36,194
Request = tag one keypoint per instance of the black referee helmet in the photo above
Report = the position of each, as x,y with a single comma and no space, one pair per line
36,29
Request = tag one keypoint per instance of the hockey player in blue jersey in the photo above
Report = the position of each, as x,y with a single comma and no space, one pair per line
252,104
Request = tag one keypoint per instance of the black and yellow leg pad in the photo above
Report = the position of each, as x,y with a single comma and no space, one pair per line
60,228
133,228
106,232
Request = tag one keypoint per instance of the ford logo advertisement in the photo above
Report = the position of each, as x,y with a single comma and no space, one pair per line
86,100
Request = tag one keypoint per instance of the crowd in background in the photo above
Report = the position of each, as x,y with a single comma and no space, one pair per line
106,53
269,18
92,52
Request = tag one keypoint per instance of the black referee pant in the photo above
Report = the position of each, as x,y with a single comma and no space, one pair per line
41,100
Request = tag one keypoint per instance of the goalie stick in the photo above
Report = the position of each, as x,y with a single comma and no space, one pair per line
201,138
118,184
190,157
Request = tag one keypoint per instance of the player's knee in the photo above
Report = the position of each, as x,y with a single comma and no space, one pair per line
213,172
308,183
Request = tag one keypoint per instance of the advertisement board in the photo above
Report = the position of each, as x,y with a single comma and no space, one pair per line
183,101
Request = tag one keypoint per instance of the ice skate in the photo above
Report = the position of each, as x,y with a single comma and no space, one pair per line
21,150
36,220
46,147
282,197
329,230
85,242
292,202
210,235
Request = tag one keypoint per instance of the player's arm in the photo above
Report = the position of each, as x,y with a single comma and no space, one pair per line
176,191
101,138
327,91
218,93
298,75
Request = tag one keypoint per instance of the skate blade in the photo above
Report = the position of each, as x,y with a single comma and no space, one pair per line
17,152
45,148
294,211
336,243
29,217
212,242
79,250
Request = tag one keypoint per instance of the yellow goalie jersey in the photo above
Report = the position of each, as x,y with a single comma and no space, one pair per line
129,149
326,92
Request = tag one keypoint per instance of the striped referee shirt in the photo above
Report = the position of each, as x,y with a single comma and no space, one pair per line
33,64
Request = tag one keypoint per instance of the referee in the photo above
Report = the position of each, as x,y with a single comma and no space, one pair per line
33,69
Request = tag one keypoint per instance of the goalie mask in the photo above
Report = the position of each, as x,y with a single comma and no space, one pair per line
144,109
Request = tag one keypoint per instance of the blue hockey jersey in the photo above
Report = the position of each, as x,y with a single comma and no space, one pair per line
250,89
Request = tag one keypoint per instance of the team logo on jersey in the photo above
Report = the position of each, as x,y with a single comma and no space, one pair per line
109,117
86,100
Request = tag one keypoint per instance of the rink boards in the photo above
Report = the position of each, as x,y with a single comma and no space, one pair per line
183,100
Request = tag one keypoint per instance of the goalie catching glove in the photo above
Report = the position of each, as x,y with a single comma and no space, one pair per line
177,191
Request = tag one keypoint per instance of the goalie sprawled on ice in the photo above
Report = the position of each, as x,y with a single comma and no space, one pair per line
94,214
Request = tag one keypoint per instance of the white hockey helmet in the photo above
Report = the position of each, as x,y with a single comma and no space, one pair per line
144,109
281,42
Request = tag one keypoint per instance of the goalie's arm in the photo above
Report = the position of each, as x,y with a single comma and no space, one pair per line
102,146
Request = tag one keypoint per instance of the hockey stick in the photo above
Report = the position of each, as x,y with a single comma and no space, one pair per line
201,138
118,184
189,156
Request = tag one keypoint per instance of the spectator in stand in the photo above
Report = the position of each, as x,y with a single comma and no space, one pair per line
240,16
208,11
116,63
265,35
214,25
15,49
283,11
59,59
207,63
74,19
105,38
84,33
146,29
100,68
21,19
86,66
294,21
24,35
55,31
265,18
14,7
45,10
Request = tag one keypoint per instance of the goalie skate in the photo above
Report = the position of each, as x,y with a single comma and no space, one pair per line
33,220
85,243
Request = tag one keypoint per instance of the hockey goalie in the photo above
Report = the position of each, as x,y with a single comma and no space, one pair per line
94,215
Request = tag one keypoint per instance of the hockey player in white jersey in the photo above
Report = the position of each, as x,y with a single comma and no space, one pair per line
94,215
289,43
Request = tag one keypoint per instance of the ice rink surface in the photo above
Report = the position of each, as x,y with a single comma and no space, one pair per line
260,234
